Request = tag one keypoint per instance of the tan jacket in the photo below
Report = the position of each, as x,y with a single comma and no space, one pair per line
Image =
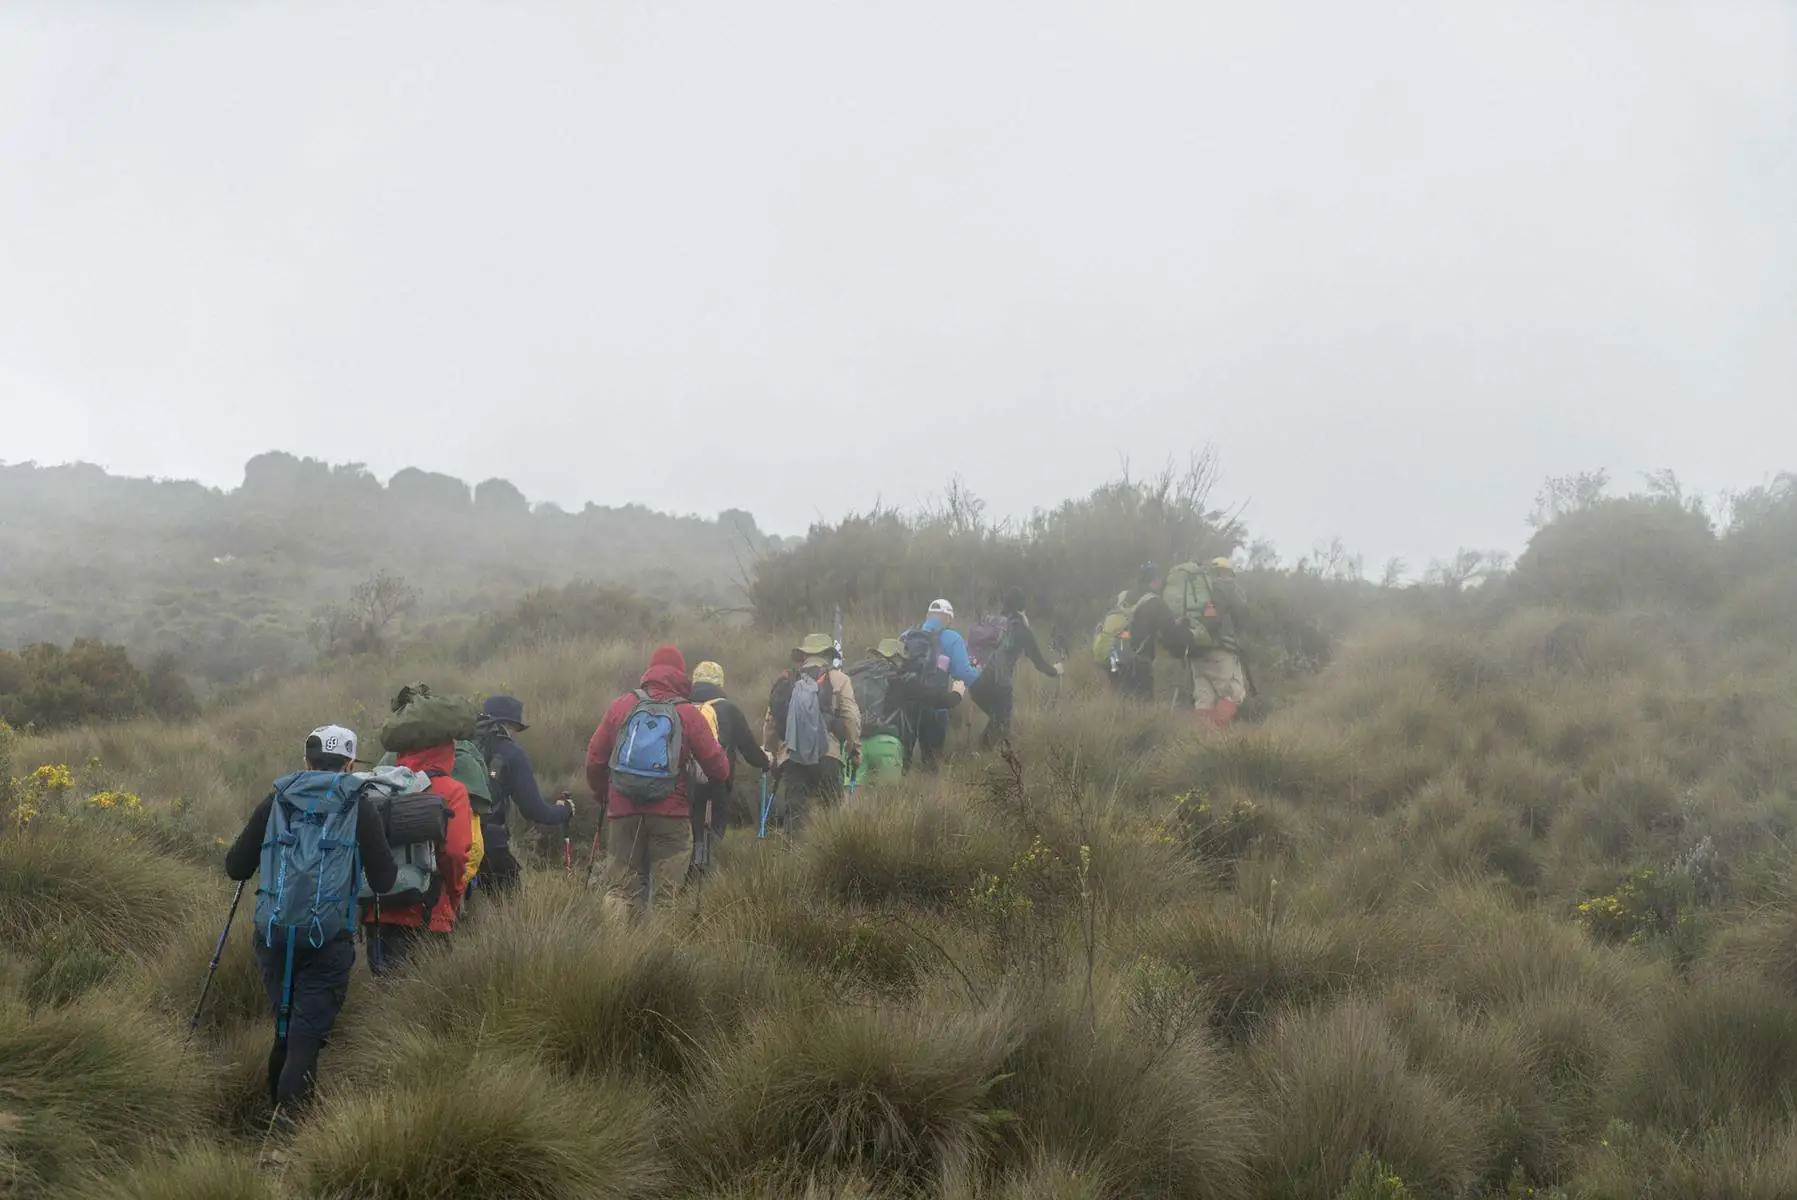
844,712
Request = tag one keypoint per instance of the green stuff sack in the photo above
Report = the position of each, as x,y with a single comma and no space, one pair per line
1188,594
421,720
470,771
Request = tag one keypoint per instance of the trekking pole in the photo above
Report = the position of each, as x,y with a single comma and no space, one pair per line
767,804
593,858
218,952
568,844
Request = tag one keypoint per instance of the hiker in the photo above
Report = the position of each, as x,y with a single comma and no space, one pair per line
951,656
814,727
888,720
1113,647
312,983
1219,677
428,912
1152,626
995,690
731,726
511,782
640,761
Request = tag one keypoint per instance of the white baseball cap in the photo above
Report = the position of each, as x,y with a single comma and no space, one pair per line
942,608
333,739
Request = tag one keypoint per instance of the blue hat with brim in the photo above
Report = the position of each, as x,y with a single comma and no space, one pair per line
509,709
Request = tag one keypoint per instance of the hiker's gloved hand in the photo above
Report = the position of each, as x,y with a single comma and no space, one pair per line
958,688
567,802
1060,669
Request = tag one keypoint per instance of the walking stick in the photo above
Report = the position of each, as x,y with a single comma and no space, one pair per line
767,804
218,952
568,844
593,858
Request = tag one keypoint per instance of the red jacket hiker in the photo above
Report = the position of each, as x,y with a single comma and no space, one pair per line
666,679
452,863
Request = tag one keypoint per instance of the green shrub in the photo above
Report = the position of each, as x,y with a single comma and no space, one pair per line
1618,553
461,1124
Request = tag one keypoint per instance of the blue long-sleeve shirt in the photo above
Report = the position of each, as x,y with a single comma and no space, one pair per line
954,648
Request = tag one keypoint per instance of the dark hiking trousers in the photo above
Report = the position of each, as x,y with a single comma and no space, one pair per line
389,946
320,984
932,736
998,703
804,790
500,872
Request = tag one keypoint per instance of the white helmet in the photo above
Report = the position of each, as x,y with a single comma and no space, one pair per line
942,608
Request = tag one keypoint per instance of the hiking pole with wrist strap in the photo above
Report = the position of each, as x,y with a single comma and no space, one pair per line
218,952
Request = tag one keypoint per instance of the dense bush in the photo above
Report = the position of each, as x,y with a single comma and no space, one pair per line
1069,561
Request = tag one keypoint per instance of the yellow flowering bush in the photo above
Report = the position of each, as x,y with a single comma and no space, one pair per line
124,801
1643,905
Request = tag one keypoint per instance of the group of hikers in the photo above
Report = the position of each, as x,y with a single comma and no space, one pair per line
395,850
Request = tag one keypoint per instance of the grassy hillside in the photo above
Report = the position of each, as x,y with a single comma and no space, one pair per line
1499,903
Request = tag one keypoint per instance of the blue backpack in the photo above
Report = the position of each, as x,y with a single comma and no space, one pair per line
311,870
645,758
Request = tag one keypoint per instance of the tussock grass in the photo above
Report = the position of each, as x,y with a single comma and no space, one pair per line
1725,1047
197,1171
1360,933
1342,1082
553,976
456,1124
172,979
1255,966
1133,1084
60,875
900,1094
905,851
90,1085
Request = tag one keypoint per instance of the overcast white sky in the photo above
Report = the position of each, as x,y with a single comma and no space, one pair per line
1398,261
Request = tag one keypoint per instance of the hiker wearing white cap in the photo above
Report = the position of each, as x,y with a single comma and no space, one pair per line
302,863
951,656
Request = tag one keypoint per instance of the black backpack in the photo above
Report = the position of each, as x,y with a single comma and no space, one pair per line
922,675
877,693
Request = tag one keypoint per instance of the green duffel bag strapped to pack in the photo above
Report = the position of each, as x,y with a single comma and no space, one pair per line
422,719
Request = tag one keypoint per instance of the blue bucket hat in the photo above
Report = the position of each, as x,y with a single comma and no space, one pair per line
505,708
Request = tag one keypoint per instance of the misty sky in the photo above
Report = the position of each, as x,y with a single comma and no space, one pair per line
1398,261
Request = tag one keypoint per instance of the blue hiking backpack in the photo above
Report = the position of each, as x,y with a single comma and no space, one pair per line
645,758
311,870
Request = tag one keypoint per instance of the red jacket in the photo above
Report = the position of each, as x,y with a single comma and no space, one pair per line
452,861
697,744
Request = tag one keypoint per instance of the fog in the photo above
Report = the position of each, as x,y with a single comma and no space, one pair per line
1397,261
